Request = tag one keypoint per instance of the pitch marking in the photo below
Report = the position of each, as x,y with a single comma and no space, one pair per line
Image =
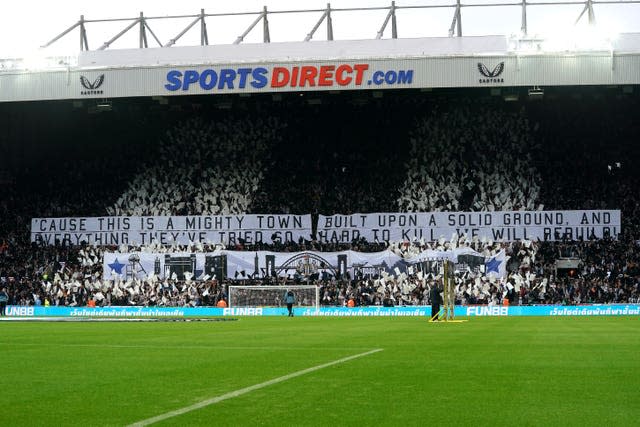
246,390
178,347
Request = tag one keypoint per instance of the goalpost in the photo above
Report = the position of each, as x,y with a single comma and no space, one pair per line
448,293
273,296
447,310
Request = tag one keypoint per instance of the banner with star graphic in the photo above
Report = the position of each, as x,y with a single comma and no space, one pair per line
260,264
246,264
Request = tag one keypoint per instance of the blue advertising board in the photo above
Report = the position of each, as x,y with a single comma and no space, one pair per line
551,310
372,311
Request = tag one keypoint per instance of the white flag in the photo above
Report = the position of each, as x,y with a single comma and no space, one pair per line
496,266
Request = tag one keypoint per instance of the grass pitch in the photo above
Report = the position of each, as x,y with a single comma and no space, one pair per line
488,371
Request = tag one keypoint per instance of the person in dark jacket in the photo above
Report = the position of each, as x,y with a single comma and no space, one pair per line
290,299
436,300
4,297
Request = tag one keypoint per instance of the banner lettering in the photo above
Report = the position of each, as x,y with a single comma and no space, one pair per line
225,229
497,226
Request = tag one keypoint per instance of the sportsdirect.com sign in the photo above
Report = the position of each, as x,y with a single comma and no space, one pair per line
290,77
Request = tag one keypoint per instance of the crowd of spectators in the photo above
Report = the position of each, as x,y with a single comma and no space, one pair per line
213,168
471,156
343,158
453,153
608,273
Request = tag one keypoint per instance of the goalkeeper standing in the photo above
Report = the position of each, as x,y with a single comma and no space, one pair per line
290,299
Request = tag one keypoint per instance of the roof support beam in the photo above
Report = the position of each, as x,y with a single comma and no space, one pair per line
80,24
120,34
457,21
143,33
204,36
327,15
183,32
591,16
523,22
265,36
391,15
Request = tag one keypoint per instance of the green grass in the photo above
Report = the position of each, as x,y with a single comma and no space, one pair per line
487,371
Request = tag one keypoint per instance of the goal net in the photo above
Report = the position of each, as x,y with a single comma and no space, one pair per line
273,296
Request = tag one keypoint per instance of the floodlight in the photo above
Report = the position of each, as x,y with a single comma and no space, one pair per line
577,38
536,93
104,105
162,100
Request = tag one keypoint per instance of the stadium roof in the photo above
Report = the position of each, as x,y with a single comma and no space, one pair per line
583,56
491,61
350,50
479,46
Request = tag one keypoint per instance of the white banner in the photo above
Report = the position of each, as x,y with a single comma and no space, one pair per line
226,229
496,226
245,264
259,264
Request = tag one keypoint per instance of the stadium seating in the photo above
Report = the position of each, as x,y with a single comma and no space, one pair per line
404,153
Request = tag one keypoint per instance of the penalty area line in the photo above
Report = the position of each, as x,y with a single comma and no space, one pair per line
246,390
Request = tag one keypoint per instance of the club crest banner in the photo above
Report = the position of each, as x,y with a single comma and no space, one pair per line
245,265
260,264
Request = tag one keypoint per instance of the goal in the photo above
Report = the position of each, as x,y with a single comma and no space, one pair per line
273,296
